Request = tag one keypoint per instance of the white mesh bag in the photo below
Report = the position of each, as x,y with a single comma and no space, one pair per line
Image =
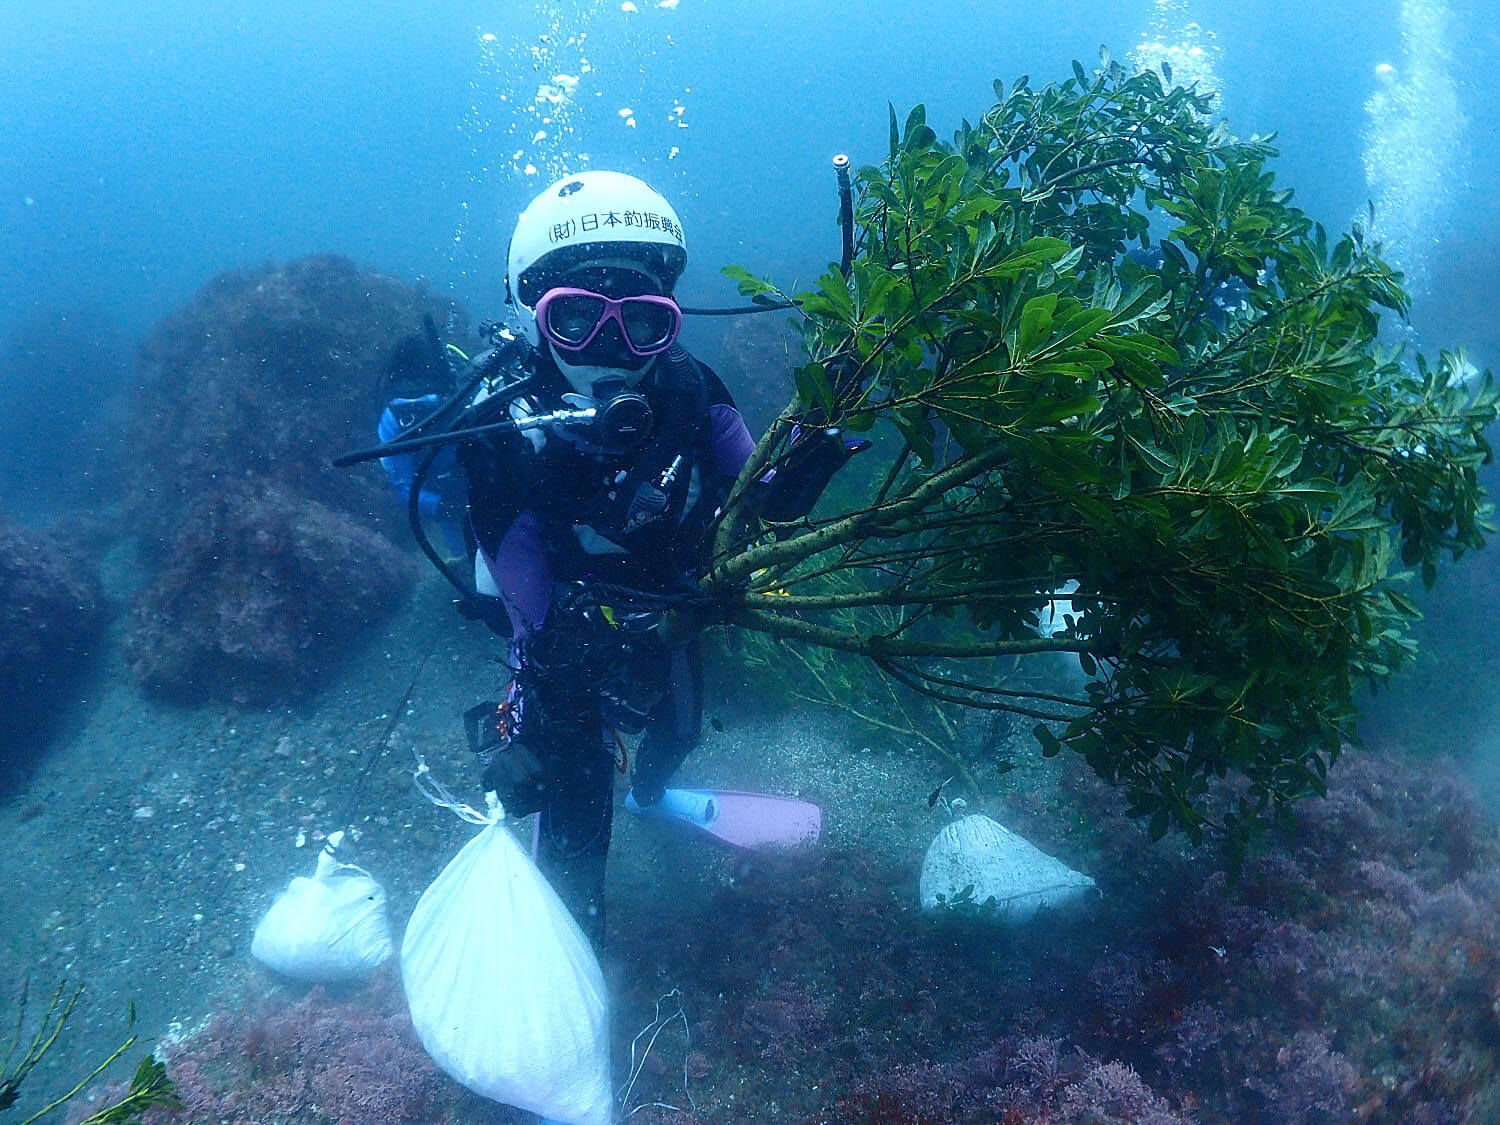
505,992
325,929
1000,866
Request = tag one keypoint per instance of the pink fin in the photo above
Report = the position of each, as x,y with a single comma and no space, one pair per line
757,820
744,820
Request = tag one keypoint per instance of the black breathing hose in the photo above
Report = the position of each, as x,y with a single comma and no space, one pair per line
427,441
683,410
419,532
740,310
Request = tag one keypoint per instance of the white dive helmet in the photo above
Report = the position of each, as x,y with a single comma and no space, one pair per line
591,216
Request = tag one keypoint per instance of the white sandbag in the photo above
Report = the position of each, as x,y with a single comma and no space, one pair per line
1009,875
505,992
326,929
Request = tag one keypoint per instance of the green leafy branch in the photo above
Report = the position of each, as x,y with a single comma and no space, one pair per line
1237,489
149,1087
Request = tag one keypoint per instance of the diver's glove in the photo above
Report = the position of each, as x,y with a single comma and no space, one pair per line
676,628
790,490
508,767
483,607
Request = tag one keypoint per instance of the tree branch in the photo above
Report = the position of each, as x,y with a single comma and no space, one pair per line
876,647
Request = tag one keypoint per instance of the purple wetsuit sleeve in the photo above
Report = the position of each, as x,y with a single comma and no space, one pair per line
519,568
729,440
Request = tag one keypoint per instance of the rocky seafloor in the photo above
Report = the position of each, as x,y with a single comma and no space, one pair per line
1351,972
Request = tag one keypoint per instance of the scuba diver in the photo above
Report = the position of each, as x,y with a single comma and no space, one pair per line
419,377
596,454
616,491
597,457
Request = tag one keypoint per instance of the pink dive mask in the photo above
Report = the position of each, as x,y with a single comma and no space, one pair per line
572,318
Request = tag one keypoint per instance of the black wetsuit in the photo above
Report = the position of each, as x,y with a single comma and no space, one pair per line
553,513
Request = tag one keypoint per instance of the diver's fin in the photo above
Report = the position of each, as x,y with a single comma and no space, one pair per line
740,820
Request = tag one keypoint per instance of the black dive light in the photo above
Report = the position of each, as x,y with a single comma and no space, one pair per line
846,212
846,255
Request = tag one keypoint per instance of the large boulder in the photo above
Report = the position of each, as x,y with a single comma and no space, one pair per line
259,595
267,374
51,611
264,562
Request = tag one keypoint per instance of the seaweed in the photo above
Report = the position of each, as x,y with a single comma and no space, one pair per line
149,1088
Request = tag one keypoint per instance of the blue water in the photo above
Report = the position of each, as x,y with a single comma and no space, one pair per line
146,146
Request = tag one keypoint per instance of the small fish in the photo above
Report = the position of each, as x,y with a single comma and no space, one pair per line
932,798
717,724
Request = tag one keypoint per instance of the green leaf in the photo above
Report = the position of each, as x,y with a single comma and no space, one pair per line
1048,741
759,291
150,1088
1084,324
1158,460
1403,603
814,388
1162,817
915,119
919,433
1036,324
1048,414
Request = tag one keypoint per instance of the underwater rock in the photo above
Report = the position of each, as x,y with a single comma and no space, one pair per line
51,610
267,374
759,354
50,605
976,863
265,561
260,591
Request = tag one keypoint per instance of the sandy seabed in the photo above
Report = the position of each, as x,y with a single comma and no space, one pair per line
1353,972
144,845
